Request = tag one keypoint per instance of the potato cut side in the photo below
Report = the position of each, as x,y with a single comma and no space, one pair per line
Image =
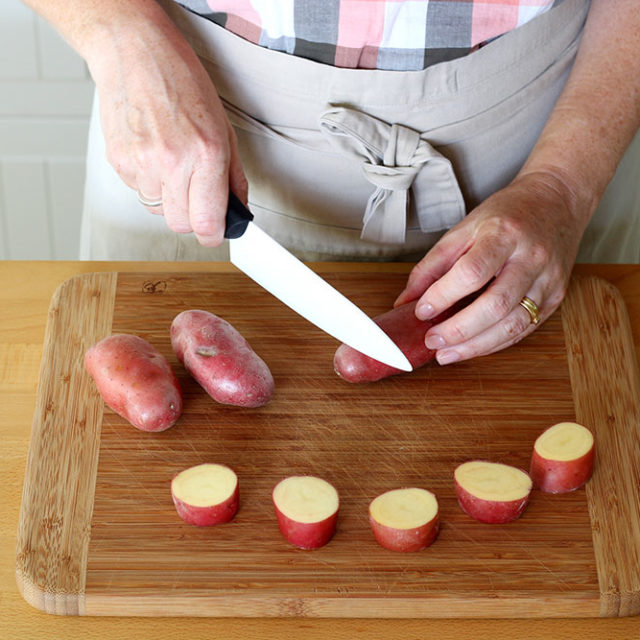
564,441
404,508
205,485
493,481
306,499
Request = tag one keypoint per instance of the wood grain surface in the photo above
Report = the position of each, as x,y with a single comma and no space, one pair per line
565,557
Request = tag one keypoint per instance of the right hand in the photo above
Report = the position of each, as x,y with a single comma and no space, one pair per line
166,132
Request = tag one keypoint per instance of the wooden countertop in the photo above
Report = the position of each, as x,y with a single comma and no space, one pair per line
25,292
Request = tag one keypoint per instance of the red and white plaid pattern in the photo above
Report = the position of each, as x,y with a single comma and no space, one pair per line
398,35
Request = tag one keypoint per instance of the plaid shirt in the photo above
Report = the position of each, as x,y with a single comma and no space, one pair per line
400,35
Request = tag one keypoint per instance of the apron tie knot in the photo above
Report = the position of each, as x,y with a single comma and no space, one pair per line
392,158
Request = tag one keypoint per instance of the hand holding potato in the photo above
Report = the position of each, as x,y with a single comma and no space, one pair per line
522,241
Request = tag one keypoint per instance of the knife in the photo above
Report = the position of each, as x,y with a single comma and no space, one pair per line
278,271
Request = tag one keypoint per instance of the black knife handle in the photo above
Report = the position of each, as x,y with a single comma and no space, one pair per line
238,218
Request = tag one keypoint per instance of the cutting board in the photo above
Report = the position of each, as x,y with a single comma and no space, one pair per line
98,532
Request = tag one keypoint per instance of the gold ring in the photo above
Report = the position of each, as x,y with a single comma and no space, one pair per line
148,202
532,308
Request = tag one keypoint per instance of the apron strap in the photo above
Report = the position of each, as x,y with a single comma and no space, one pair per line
392,158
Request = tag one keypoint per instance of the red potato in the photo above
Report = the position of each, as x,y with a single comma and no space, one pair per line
220,359
491,492
562,458
402,326
307,510
405,519
206,494
136,381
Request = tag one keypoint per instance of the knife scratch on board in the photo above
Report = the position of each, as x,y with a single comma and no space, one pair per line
559,580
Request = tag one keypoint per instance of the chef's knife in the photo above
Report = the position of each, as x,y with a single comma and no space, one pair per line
275,269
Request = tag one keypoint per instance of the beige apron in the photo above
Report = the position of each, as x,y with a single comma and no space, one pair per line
348,164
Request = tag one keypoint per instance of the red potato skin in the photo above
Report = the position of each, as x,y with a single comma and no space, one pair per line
405,540
136,381
210,515
490,511
306,535
402,326
558,476
219,358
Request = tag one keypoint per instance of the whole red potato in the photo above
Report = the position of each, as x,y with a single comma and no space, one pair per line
220,359
136,381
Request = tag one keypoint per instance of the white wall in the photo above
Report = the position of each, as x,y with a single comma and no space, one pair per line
45,100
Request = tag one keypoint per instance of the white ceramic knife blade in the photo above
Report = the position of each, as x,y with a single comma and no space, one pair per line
286,277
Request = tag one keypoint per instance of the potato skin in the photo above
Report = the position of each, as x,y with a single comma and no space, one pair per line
136,381
220,359
307,535
402,326
490,511
405,540
561,476
210,515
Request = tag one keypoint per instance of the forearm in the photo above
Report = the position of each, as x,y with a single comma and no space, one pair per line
598,112
99,31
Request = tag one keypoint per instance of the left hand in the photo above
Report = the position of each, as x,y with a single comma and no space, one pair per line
521,241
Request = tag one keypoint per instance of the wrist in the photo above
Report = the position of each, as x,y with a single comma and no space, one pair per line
578,197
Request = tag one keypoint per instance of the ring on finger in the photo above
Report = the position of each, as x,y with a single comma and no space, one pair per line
149,202
532,309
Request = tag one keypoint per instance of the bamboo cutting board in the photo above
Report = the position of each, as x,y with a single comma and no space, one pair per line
98,532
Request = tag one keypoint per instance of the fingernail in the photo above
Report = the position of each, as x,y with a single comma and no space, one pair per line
399,299
424,311
435,341
447,357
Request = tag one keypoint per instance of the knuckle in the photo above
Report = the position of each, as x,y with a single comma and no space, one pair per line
212,151
178,223
144,157
510,226
203,224
176,219
501,227
171,158
499,305
472,272
209,241
468,350
211,155
179,226
515,325
539,254
457,333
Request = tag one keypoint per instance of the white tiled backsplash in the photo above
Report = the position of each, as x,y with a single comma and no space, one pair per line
45,101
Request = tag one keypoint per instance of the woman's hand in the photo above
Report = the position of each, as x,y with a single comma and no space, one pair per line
522,241
166,132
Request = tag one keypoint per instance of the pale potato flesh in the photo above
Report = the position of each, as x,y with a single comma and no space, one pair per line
493,481
306,499
404,508
204,485
564,441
